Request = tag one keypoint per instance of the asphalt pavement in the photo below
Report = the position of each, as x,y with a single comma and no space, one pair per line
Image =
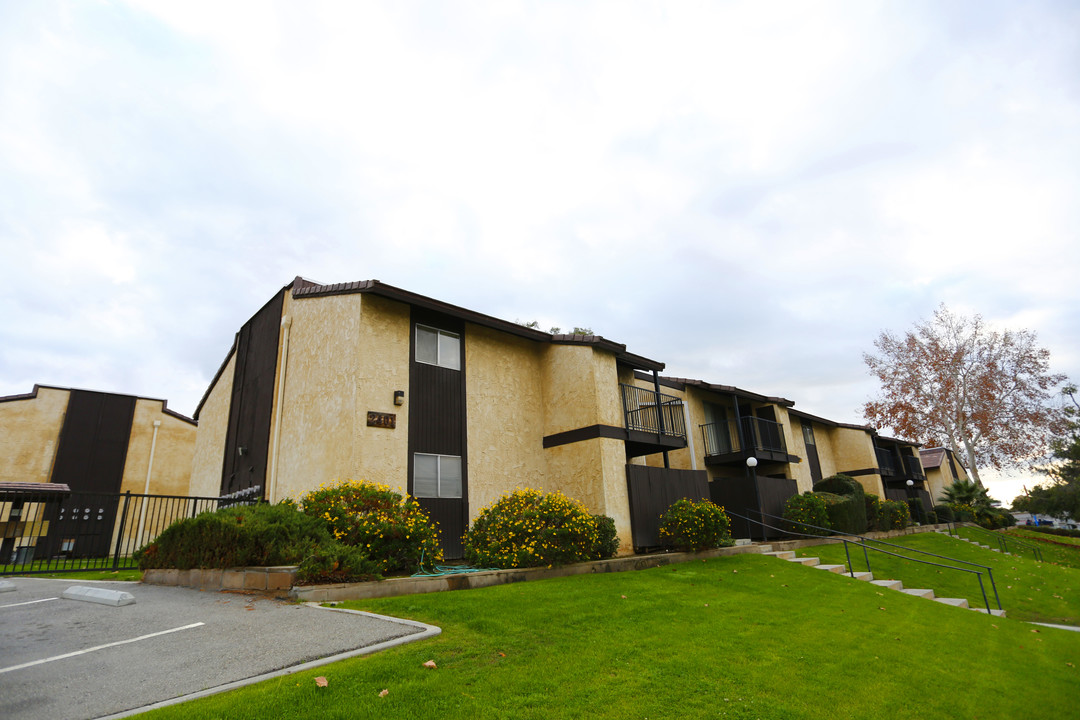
63,659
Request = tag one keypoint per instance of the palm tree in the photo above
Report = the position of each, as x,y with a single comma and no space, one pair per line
967,492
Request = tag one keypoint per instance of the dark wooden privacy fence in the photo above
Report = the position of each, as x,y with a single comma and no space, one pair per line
739,496
652,490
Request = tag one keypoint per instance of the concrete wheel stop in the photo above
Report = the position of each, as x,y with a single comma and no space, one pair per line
7,586
101,596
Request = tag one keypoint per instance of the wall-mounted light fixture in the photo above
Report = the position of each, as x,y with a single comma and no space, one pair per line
399,397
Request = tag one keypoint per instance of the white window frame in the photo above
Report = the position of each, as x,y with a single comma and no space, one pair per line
440,361
438,476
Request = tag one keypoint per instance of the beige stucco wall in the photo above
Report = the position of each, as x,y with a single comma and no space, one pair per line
505,411
173,451
853,449
347,356
593,472
209,452
569,383
29,435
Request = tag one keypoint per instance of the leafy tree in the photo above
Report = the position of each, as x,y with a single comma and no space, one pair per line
967,492
953,382
1061,496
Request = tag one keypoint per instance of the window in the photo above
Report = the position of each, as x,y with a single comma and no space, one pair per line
438,347
808,434
436,476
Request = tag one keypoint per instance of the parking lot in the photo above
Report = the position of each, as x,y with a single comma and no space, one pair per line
66,659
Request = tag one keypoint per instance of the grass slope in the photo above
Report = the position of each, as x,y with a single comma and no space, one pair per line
1029,590
742,637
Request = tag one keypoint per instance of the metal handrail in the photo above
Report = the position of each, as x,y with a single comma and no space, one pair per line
843,537
1003,542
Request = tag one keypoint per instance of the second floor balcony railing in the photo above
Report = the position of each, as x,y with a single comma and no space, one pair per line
887,463
759,435
913,468
653,412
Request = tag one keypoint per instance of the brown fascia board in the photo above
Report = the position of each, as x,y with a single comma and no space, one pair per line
29,491
302,289
898,441
830,423
732,390
34,393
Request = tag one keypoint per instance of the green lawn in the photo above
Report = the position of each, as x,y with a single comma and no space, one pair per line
744,636
1029,590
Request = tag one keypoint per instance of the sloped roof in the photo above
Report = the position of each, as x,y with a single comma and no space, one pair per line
302,288
34,393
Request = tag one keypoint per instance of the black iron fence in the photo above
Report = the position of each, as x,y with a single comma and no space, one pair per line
91,531
653,412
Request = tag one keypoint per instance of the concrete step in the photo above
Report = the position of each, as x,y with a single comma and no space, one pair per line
920,592
864,576
764,548
955,602
995,613
782,554
838,569
806,561
984,547
891,584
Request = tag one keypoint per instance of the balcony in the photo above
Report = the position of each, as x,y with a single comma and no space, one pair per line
887,463
761,438
655,422
913,468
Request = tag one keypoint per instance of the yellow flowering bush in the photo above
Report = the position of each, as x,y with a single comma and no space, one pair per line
695,525
390,528
528,528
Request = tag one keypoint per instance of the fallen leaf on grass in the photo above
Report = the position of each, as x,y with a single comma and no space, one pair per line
384,693
502,654
623,597
430,664
881,608
1069,664
735,571
321,681
994,626
1035,631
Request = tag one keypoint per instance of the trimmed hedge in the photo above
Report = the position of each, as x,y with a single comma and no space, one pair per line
806,508
256,535
850,519
873,508
944,513
842,512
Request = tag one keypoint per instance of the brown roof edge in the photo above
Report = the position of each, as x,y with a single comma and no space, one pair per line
898,440
833,423
33,488
731,389
34,393
302,288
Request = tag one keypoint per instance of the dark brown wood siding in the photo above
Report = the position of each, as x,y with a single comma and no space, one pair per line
90,459
437,425
94,441
252,401
738,495
651,491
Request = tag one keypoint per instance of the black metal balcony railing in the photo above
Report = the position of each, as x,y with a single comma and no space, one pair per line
886,463
913,468
653,412
760,435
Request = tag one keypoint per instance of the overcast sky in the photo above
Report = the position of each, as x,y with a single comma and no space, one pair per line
748,191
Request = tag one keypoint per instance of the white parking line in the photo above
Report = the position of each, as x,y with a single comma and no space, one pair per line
99,647
28,602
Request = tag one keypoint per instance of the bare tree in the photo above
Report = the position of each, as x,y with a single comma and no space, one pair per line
953,382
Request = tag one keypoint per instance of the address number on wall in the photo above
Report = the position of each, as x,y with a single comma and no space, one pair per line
383,420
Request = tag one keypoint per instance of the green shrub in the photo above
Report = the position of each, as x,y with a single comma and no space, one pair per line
253,535
529,528
390,528
695,525
337,563
842,514
893,515
931,517
944,513
962,512
607,539
852,519
873,506
806,508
